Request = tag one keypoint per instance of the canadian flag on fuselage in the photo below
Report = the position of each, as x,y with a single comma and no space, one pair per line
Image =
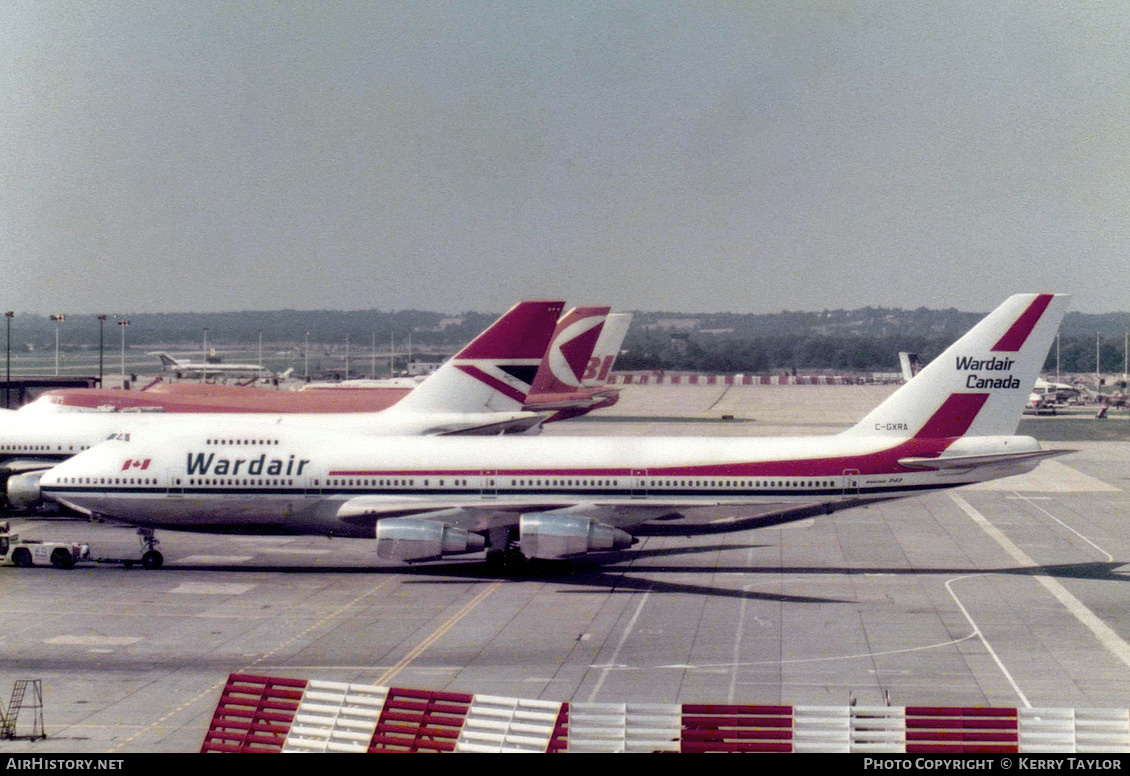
979,385
495,371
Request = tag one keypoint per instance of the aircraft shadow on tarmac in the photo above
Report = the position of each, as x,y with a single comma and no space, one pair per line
602,574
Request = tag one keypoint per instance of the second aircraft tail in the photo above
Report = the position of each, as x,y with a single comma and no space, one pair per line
495,371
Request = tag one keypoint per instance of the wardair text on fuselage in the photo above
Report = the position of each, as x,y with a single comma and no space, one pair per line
209,464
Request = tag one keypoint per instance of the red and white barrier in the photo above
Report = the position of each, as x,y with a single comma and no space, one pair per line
268,714
683,378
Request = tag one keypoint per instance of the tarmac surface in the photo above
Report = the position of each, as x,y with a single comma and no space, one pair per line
1007,594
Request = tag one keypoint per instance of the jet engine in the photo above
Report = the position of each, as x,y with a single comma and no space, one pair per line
558,535
23,490
412,539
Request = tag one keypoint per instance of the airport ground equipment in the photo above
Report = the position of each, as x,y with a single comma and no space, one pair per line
65,555
30,552
19,701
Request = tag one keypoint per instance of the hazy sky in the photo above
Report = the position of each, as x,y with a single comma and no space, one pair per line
707,156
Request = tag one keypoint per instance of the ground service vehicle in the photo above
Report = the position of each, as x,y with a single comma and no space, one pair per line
29,552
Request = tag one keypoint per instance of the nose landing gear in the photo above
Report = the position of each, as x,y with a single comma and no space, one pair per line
151,558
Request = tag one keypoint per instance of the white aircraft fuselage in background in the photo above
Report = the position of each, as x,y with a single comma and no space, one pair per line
481,390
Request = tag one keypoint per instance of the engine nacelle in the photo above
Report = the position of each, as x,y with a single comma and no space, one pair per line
23,490
411,539
558,535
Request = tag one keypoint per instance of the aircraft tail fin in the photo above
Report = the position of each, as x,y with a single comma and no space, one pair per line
606,350
167,360
569,351
910,365
980,384
495,371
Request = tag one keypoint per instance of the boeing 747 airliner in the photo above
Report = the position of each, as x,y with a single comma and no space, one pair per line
421,498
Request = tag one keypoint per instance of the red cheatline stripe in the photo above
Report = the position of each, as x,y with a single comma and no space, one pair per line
1014,338
866,463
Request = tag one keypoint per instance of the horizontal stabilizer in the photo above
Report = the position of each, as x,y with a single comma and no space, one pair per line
511,423
966,462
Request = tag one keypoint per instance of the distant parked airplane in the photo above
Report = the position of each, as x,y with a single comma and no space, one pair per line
182,367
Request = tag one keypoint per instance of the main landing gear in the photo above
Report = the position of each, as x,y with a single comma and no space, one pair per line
508,562
504,557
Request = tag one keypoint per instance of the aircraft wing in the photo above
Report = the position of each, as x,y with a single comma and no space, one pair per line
477,513
21,465
416,529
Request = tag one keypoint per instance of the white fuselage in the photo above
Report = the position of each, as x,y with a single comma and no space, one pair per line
305,481
57,436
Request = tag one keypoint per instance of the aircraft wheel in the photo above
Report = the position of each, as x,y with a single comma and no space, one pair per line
62,559
496,562
152,560
516,562
22,557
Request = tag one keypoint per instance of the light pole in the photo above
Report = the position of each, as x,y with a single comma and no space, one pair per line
123,325
8,378
306,357
101,327
58,318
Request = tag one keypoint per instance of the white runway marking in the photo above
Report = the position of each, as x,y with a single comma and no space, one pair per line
1049,477
985,642
801,660
1104,633
215,559
204,588
605,668
1065,526
293,551
94,641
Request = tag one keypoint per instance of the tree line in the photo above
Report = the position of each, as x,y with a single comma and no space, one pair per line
864,340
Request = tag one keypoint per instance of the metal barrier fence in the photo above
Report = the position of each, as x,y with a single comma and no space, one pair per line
682,378
270,714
